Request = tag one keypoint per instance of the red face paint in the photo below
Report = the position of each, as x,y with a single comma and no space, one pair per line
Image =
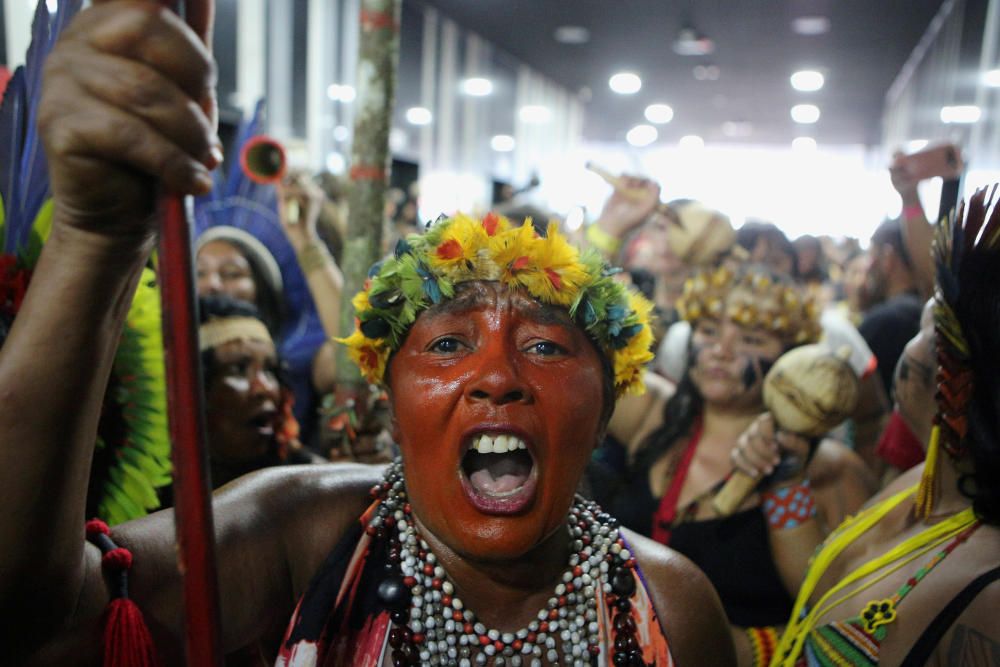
494,363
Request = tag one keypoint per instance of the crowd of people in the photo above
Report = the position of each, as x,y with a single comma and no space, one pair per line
538,475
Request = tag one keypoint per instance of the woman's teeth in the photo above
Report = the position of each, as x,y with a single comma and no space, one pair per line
499,444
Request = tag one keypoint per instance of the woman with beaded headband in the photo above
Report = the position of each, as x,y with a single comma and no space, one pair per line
912,579
503,352
679,442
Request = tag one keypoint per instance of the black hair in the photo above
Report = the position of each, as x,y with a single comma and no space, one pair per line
978,311
890,233
750,234
222,306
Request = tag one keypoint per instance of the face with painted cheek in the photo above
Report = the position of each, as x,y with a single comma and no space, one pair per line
496,406
729,362
915,379
242,398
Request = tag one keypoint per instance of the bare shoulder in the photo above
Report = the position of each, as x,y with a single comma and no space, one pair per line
687,604
835,461
311,505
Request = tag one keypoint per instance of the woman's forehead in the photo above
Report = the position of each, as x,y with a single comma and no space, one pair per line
496,296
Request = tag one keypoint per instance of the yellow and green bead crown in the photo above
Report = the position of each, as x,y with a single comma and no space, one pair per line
425,268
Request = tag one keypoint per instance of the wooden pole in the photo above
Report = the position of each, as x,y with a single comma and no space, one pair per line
370,162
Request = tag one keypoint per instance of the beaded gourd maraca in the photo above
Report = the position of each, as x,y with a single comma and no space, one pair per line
809,391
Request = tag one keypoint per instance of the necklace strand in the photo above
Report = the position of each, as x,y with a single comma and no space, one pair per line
432,625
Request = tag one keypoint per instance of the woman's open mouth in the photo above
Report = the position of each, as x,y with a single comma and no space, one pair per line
498,473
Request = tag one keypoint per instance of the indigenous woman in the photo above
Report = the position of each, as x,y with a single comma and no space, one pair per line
503,353
248,403
912,579
680,442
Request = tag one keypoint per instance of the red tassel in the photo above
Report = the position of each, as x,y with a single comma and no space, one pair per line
127,642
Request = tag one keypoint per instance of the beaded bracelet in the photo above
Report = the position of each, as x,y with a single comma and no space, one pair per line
601,240
313,255
789,506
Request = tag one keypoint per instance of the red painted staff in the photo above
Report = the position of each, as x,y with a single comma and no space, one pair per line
192,496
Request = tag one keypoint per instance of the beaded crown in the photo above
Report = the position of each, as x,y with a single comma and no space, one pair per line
425,268
752,298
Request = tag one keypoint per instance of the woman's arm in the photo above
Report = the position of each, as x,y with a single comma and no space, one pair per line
127,102
299,204
636,416
688,606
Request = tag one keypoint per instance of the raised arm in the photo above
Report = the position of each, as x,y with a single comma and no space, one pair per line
128,98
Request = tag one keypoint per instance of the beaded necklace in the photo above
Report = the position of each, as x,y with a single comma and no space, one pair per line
432,626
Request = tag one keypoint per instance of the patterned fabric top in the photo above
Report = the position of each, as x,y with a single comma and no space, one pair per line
340,620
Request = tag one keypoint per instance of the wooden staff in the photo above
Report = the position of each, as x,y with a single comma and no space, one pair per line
618,183
185,400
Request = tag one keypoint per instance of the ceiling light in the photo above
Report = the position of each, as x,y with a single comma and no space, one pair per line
625,83
805,113
477,87
691,141
737,129
811,25
690,42
534,113
502,143
571,34
659,113
341,93
419,116
915,145
962,113
341,133
807,80
803,144
706,72
992,78
641,135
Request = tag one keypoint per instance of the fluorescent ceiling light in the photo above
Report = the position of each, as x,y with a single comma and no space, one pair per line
477,87
571,34
659,113
641,135
625,83
419,116
915,145
341,93
807,80
962,113
811,25
341,133
803,144
691,141
805,114
534,114
502,143
737,129
992,78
